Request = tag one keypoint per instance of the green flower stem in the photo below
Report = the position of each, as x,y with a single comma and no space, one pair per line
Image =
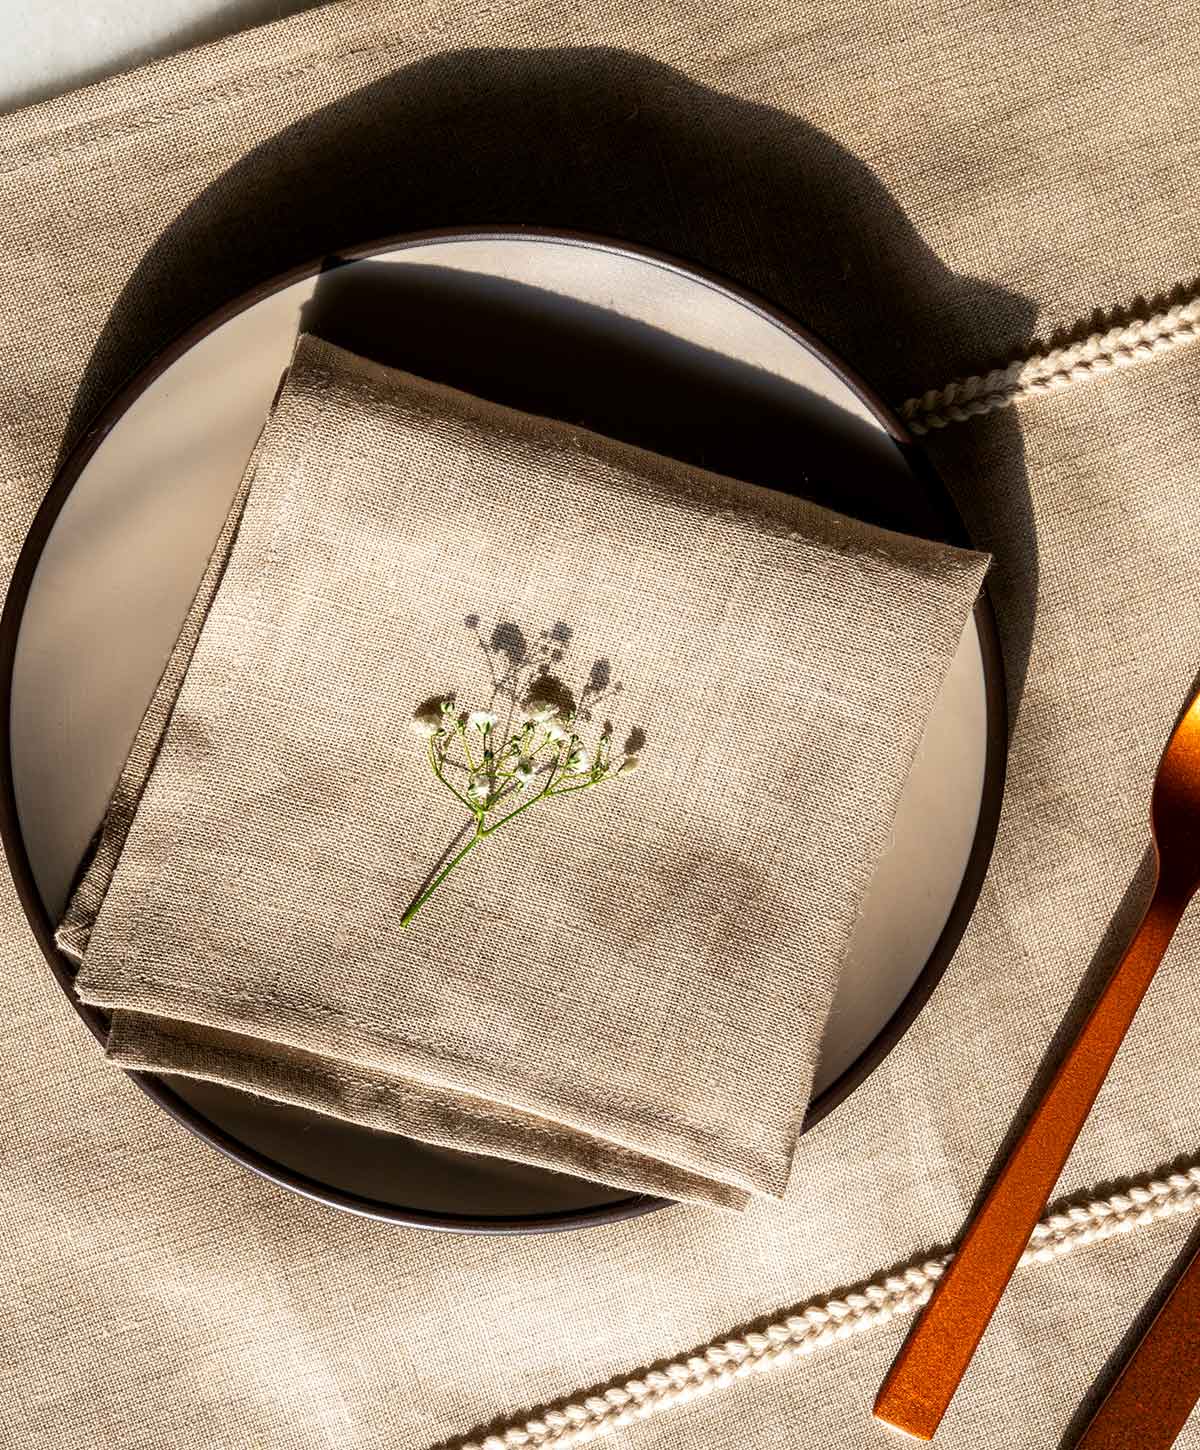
466,745
437,770
524,806
424,896
481,833
571,789
500,773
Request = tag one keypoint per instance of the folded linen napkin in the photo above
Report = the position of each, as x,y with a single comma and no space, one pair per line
630,984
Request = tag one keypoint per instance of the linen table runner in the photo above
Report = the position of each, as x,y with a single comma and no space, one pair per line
937,192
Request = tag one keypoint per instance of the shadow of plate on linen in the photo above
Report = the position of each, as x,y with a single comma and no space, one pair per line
611,143
608,143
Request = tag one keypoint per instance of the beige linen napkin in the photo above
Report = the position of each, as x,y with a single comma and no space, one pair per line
937,190
630,985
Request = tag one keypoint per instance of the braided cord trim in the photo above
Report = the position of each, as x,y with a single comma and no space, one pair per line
1049,372
721,1364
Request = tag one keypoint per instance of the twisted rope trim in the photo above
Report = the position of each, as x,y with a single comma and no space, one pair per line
1103,352
721,1364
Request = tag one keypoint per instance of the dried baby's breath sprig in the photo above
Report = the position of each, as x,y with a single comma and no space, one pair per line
498,772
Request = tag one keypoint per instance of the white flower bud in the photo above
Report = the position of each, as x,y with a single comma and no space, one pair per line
538,712
481,720
629,763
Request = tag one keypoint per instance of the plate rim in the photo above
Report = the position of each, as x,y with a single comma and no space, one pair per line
122,399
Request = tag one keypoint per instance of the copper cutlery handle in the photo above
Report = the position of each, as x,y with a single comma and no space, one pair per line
1155,1392
921,1382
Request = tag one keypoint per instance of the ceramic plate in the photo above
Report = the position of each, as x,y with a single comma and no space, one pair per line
624,342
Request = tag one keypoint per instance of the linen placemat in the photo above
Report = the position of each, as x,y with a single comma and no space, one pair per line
630,986
938,192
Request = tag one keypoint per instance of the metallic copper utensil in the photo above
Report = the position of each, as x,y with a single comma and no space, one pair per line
1160,1383
927,1371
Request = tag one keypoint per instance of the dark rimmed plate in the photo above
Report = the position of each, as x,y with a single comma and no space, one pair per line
624,341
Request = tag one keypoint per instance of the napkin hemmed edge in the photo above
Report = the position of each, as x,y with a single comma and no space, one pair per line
98,870
404,1107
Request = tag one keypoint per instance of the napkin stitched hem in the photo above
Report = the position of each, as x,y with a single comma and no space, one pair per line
415,1061
397,1104
96,874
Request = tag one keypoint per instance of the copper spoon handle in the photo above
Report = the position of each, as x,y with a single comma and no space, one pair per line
935,1356
1155,1392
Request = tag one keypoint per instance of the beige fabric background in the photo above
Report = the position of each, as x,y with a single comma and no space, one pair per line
931,188
757,643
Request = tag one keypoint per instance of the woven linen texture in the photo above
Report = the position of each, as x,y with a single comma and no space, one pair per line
630,985
933,190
